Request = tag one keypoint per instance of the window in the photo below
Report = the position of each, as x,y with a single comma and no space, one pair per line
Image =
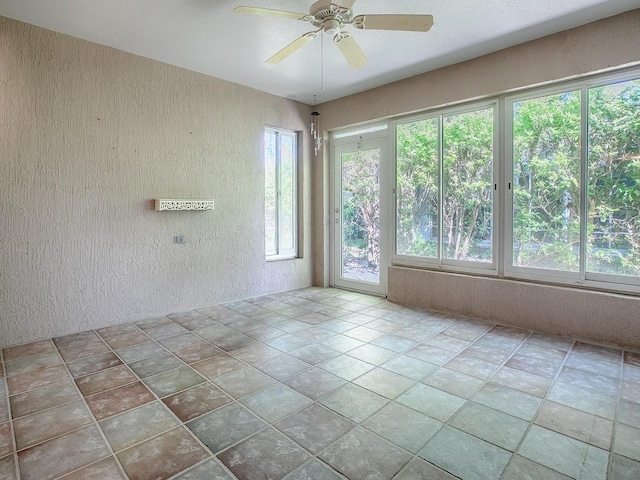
418,188
576,185
568,184
280,158
445,189
546,182
613,190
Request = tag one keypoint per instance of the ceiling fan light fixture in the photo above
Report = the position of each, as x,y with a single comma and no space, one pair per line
331,26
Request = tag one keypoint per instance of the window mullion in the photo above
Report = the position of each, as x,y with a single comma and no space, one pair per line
584,179
499,234
508,185
440,188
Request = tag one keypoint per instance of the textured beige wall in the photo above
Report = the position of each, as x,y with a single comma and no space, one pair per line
597,316
89,136
597,46
606,44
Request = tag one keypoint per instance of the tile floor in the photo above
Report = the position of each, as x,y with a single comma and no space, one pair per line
317,384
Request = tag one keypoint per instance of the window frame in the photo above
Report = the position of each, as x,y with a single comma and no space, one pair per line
533,273
441,263
281,253
594,278
580,278
502,228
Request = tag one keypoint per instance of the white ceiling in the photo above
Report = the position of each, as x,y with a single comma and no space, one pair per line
207,37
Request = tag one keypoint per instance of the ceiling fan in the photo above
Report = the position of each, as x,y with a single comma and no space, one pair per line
331,16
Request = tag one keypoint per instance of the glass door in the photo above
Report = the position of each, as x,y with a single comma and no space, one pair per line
359,252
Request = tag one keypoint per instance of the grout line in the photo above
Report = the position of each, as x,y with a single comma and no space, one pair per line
5,393
388,401
86,405
94,463
318,342
544,399
616,416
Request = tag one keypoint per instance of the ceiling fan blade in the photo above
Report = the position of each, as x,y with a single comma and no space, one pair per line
351,50
292,47
409,23
268,12
345,3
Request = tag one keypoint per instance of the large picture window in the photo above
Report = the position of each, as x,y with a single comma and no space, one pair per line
567,179
576,184
613,190
280,159
546,182
445,188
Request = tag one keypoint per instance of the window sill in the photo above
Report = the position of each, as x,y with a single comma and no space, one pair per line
277,258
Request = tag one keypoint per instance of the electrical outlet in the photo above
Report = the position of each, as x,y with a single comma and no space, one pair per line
179,239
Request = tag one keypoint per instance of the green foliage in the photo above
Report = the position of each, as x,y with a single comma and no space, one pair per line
467,166
468,185
547,183
361,202
421,248
614,179
417,188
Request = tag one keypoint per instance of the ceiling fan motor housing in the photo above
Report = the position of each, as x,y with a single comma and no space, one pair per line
329,17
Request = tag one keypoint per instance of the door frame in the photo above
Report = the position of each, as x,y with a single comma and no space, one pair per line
378,138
